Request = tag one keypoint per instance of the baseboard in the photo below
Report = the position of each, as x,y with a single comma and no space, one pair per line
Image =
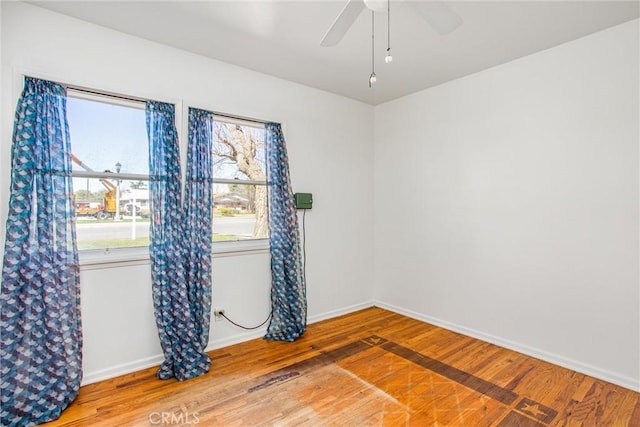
340,312
612,377
125,368
259,333
149,362
236,339
156,360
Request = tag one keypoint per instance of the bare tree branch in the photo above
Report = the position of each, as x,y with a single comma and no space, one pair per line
239,146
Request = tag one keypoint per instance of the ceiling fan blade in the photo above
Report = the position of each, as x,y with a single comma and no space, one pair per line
342,23
438,14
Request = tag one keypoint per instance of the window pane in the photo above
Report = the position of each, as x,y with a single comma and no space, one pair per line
239,212
108,136
105,213
238,152
104,135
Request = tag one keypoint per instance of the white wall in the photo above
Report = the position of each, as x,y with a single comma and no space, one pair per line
329,139
506,205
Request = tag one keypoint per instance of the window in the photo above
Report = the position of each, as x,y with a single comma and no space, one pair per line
110,170
240,181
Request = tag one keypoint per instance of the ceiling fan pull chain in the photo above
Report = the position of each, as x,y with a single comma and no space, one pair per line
372,77
388,58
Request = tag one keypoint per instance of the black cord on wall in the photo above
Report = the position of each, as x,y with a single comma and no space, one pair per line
304,275
304,247
248,328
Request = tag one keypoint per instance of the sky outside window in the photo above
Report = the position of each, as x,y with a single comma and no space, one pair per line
104,134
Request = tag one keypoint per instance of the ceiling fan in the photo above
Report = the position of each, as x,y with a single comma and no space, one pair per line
436,13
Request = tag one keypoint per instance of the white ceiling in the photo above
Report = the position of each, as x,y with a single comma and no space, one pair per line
282,38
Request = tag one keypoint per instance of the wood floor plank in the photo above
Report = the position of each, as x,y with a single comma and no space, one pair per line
369,368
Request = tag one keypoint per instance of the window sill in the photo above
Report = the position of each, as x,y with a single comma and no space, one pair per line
124,257
244,247
96,259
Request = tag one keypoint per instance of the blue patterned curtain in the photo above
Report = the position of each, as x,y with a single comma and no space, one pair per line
40,328
288,293
179,334
198,203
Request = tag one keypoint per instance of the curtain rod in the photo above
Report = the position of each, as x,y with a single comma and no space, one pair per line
240,118
99,93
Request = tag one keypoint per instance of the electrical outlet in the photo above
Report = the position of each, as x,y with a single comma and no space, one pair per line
218,313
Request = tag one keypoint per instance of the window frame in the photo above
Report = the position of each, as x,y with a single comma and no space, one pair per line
123,256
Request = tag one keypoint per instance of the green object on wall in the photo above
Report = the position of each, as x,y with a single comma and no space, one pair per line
303,200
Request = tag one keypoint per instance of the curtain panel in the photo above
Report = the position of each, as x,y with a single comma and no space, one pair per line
198,204
288,291
40,326
179,327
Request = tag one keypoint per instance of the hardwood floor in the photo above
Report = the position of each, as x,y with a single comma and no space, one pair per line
369,368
